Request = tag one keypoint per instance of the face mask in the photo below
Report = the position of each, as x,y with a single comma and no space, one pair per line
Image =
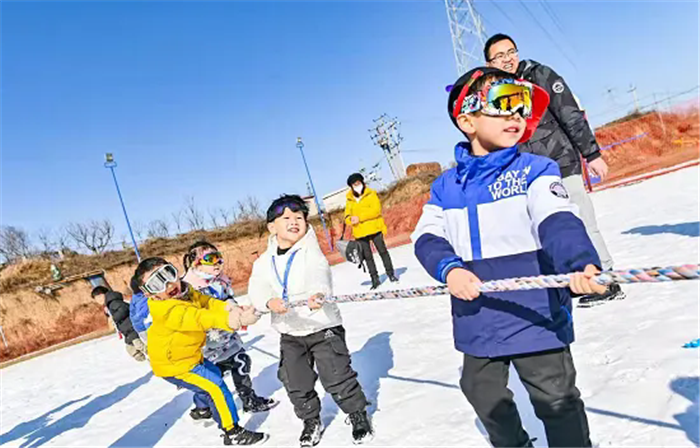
359,189
204,275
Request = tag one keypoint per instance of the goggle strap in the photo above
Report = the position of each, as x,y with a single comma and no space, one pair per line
457,110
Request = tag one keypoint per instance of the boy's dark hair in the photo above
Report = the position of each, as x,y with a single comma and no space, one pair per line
496,38
488,74
191,255
134,285
292,201
97,290
145,266
354,177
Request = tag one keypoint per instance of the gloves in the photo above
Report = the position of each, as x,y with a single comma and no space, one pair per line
249,316
137,350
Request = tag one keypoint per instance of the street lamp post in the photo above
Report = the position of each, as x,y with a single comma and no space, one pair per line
300,145
111,164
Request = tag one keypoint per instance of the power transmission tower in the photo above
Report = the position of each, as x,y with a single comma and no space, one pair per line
387,136
468,33
633,91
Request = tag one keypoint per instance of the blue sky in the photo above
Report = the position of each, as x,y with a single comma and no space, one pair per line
207,99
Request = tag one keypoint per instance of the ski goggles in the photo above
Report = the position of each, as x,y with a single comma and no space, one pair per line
504,97
211,259
158,281
277,210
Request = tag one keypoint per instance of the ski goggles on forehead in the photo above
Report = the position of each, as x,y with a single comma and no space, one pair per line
158,281
278,210
504,97
211,259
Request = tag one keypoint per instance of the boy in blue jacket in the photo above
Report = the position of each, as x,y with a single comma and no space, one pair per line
499,214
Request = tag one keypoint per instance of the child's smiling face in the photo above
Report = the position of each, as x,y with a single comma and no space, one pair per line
289,228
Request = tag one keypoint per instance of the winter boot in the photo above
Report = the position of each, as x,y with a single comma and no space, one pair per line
393,278
614,292
253,403
362,431
200,413
375,283
238,435
311,434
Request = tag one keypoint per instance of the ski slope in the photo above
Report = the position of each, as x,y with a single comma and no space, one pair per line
640,387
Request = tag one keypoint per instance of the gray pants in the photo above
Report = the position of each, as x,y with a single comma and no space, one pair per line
579,196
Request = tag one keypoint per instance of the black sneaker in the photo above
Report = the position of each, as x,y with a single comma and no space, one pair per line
614,292
311,434
238,435
361,427
200,413
253,403
393,278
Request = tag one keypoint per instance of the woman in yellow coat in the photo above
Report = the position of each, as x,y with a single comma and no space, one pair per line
363,212
181,316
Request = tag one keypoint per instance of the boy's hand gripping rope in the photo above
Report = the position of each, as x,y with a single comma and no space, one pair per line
646,275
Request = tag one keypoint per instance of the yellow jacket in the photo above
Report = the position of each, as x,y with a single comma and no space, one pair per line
368,209
178,332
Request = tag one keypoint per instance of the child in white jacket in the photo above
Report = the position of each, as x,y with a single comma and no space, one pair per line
293,268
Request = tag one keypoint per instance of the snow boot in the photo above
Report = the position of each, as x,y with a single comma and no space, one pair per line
311,434
375,283
200,413
238,435
362,431
393,278
253,403
614,292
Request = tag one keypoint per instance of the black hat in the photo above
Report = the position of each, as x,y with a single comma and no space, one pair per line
354,177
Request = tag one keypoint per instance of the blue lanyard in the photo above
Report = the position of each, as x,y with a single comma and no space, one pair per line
285,291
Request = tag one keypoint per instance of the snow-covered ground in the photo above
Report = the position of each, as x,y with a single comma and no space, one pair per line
640,387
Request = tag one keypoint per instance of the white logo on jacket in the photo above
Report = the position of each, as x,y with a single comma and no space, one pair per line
509,184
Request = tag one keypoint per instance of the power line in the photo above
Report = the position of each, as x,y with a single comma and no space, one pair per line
550,12
504,14
547,33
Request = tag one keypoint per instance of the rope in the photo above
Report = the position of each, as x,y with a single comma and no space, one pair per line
646,275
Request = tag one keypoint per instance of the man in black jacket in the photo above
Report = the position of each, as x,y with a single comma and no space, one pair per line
563,135
119,311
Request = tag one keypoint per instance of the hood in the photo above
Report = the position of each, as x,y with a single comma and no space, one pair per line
470,166
111,296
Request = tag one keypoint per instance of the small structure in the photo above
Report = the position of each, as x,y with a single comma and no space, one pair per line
336,199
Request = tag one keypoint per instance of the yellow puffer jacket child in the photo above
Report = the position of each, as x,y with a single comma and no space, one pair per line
178,331
369,211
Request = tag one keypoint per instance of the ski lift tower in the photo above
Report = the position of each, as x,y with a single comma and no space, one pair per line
468,33
387,136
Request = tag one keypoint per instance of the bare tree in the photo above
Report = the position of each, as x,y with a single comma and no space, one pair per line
225,216
177,219
14,243
249,209
192,214
139,231
62,238
213,217
94,236
158,229
46,239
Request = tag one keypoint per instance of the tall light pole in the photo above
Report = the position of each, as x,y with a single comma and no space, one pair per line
111,164
300,145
